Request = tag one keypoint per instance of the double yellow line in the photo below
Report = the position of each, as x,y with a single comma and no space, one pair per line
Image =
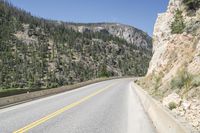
60,111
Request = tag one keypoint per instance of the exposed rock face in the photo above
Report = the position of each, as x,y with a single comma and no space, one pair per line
162,35
130,34
194,66
172,53
190,111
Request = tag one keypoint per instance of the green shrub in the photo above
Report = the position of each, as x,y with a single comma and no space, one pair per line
177,82
178,25
196,81
192,4
172,105
157,81
183,79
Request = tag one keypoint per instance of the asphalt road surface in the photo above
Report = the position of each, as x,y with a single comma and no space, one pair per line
105,107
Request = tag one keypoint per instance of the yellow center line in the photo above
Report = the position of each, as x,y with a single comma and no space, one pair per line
60,111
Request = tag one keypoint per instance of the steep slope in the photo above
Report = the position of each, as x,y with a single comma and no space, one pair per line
174,69
37,53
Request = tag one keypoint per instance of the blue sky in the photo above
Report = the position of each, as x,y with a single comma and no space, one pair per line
141,14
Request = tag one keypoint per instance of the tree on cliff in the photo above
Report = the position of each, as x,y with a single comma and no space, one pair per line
192,4
178,25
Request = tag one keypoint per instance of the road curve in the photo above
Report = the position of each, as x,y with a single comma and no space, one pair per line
106,107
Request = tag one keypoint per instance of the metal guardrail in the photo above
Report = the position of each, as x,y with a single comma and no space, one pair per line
25,97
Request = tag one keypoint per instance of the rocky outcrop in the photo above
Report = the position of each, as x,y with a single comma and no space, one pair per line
130,34
174,69
162,36
172,52
189,110
165,43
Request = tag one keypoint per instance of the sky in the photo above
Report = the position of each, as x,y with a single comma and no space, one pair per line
141,14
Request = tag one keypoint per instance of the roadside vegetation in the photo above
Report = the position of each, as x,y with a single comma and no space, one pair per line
172,105
185,81
178,25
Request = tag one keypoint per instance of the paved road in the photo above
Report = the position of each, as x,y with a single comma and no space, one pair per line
105,107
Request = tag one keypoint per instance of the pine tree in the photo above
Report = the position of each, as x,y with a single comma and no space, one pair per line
192,4
178,25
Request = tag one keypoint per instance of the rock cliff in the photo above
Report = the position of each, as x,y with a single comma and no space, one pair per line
130,34
175,65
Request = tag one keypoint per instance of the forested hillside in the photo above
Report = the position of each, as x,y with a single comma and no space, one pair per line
38,53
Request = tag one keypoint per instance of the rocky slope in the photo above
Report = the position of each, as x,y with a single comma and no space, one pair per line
36,53
130,34
174,69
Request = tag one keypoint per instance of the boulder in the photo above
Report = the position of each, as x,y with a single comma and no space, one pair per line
185,104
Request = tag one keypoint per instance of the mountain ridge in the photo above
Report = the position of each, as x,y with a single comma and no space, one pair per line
129,33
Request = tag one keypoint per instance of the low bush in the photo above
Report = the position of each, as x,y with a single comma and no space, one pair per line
157,81
172,105
177,82
178,25
196,81
182,79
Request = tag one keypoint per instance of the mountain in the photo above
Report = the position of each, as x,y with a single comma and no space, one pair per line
174,70
130,34
37,53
